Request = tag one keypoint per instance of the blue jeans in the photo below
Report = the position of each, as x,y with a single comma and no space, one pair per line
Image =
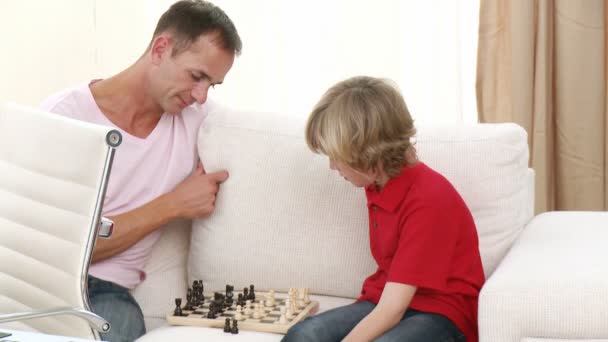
334,325
114,303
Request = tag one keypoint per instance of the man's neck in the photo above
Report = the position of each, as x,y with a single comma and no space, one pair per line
125,101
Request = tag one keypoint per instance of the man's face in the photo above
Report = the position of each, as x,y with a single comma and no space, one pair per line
186,78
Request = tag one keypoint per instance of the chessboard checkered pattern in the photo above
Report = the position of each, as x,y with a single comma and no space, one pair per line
269,322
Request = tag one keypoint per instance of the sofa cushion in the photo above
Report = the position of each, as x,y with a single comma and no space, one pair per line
284,219
165,274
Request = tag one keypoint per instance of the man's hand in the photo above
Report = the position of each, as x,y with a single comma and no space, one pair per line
195,196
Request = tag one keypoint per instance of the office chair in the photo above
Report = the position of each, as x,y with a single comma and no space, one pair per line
53,177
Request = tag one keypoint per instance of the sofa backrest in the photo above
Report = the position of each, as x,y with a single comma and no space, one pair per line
284,219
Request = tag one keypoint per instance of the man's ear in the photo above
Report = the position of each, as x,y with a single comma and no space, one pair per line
161,46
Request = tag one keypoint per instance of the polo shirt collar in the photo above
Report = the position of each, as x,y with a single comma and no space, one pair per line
395,190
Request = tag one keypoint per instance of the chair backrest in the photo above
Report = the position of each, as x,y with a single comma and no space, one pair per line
53,176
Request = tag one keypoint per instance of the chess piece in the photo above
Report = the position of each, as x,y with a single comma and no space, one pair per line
235,327
251,293
240,301
256,311
238,315
306,298
245,293
247,311
178,307
282,318
289,309
270,300
227,325
189,300
195,299
229,295
213,310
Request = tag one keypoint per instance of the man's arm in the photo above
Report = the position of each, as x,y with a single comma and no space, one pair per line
194,197
387,314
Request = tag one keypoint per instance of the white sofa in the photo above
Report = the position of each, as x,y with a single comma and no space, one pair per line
284,219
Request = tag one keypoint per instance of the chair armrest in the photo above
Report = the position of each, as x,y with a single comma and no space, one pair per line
95,321
552,283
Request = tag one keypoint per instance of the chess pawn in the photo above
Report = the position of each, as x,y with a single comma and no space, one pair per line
262,311
227,325
289,310
235,327
291,306
247,311
256,311
238,315
282,318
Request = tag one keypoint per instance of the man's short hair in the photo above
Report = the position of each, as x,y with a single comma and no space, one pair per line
187,20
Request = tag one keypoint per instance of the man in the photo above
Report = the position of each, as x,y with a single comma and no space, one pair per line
157,104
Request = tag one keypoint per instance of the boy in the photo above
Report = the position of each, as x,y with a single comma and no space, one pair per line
422,234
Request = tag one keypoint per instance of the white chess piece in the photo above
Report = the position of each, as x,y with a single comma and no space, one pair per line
306,298
256,311
247,311
270,301
282,318
289,309
239,313
300,300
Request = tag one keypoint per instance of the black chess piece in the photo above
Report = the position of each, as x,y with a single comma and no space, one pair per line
178,307
227,326
245,293
240,301
212,310
195,299
251,293
235,327
229,295
189,300
219,300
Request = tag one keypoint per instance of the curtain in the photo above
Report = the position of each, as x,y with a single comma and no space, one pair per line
542,64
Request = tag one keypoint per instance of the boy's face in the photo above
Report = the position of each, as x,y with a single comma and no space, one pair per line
357,178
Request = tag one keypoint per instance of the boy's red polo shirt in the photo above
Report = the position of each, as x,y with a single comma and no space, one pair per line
423,234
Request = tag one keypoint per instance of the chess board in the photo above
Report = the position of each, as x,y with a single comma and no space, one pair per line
269,322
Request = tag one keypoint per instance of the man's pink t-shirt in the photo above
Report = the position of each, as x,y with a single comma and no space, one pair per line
143,169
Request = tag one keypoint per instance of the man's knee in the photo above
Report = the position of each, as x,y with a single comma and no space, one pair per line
124,315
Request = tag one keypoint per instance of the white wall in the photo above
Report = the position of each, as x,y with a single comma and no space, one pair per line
52,44
293,50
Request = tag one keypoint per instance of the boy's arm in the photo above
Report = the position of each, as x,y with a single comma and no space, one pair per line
388,313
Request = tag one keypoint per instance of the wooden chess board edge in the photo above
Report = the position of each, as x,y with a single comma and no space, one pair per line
275,328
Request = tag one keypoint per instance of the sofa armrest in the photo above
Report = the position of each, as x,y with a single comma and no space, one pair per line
552,283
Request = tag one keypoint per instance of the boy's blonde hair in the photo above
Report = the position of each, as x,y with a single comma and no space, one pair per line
364,123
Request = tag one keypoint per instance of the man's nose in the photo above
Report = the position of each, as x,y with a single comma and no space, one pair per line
199,93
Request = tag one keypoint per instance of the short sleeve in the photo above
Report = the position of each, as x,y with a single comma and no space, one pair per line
427,242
